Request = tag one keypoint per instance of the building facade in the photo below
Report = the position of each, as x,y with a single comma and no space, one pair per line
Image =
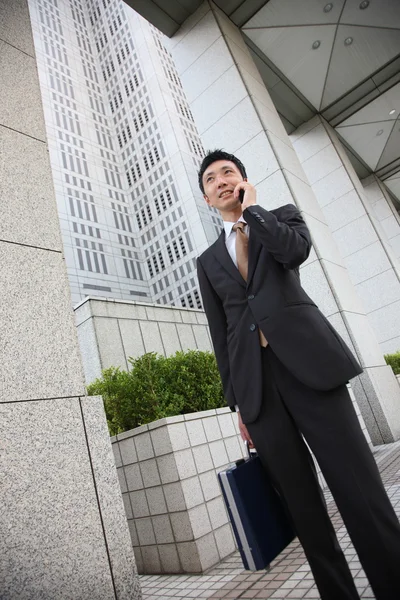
308,99
124,151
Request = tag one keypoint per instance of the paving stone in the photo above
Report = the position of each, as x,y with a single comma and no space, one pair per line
290,575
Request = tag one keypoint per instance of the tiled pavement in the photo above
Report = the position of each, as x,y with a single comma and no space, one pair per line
289,575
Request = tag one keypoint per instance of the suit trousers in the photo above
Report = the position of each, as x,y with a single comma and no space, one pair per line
328,422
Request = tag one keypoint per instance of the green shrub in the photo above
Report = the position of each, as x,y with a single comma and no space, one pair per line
158,387
394,361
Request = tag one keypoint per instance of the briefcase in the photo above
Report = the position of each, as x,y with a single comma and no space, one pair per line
260,523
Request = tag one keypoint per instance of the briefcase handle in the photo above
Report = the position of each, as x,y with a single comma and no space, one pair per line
249,452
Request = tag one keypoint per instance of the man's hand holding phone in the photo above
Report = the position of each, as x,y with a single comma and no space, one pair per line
246,193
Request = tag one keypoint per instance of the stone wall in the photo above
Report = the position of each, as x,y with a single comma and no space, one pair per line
111,331
63,527
168,476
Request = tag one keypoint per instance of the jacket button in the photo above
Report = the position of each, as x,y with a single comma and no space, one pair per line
252,327
251,297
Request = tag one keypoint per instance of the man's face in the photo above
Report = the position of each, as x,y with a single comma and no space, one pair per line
219,181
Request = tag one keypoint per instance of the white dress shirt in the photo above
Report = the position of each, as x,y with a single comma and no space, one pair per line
230,241
230,238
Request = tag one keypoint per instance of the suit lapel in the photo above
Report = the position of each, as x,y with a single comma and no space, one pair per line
223,257
254,251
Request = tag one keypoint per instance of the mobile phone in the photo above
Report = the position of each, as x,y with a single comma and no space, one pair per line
241,196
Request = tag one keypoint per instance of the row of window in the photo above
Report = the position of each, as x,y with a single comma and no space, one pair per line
81,209
126,240
74,160
108,69
191,300
83,40
112,177
55,50
176,250
86,229
50,18
163,201
103,136
123,53
122,221
116,102
67,120
133,174
61,83
89,71
132,268
101,41
115,24
91,259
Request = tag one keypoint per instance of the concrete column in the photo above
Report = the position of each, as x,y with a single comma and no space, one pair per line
384,210
370,262
233,110
385,318
63,527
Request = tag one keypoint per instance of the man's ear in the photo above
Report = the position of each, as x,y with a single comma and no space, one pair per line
206,198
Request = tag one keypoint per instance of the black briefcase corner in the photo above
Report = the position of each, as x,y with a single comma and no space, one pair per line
259,520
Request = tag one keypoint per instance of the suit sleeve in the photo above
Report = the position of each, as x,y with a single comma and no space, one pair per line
217,322
284,234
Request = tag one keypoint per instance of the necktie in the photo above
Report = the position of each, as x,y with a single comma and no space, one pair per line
242,258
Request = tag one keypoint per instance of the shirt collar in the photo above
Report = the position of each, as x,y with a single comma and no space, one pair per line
228,226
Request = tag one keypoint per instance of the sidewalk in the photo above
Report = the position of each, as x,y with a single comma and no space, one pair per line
289,576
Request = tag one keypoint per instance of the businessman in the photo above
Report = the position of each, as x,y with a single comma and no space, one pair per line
284,368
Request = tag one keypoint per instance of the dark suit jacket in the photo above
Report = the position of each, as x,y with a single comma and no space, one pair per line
274,301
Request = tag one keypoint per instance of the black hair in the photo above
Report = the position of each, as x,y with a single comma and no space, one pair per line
214,155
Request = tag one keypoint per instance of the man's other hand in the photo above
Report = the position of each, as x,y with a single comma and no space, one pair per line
243,431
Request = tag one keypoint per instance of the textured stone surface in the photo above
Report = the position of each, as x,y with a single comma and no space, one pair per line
144,447
178,436
112,510
156,500
186,336
26,183
131,338
109,342
189,557
127,451
170,338
225,540
167,468
139,504
20,101
151,337
150,473
52,538
163,530
192,492
89,351
196,432
161,441
317,287
151,559
207,550
15,25
39,351
169,558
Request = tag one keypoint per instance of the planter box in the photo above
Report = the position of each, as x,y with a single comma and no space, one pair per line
168,476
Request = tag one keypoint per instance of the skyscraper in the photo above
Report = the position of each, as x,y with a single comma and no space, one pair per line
124,152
